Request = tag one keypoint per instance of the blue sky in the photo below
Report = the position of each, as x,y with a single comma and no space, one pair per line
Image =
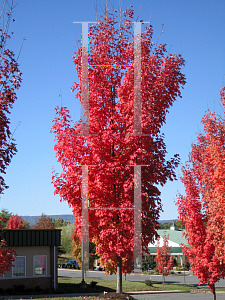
195,28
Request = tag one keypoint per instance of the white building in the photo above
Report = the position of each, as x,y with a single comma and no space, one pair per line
176,238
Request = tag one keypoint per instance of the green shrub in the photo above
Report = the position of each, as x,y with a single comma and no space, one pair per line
187,265
19,288
148,263
37,289
148,282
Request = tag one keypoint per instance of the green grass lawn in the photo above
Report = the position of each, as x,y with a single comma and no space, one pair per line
70,285
67,285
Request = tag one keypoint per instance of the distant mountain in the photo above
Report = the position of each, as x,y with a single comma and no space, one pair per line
70,218
167,221
33,219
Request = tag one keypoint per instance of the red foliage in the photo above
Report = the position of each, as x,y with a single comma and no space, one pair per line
6,254
163,258
112,149
44,222
10,79
202,210
6,257
15,222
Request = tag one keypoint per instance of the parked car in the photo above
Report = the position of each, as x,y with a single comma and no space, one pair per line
99,268
72,264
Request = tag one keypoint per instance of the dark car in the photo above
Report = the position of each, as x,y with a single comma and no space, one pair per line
99,268
70,264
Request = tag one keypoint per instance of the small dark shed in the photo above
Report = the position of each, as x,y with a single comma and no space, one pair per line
36,259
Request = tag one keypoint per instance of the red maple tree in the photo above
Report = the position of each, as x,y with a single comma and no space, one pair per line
111,149
202,210
10,79
44,222
6,254
163,258
15,222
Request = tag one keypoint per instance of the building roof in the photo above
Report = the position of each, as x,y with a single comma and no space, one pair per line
175,239
31,237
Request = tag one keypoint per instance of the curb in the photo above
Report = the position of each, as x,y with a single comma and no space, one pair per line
132,274
52,296
157,292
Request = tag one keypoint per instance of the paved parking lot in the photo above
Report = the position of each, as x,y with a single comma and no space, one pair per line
181,296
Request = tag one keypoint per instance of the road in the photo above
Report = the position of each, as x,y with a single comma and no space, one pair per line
179,279
188,296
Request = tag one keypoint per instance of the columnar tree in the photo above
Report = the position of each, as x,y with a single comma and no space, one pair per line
66,237
163,258
10,79
6,254
112,148
202,210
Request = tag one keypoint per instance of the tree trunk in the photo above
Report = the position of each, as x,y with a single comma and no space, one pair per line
214,292
119,274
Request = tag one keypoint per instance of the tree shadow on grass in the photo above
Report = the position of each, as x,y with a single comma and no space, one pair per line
66,288
166,282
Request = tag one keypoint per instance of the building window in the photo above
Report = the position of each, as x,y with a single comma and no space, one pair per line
40,265
19,268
